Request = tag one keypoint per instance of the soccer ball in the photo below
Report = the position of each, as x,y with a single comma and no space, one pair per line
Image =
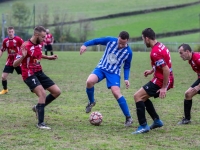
96,118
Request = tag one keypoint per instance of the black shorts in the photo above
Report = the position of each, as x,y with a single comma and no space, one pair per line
48,47
10,69
195,84
151,89
39,78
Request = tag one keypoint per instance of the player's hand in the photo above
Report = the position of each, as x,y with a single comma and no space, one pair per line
82,49
127,83
53,57
163,92
147,72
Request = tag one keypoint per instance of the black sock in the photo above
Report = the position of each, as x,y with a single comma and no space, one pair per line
45,52
150,109
51,53
140,108
49,99
40,108
187,108
4,83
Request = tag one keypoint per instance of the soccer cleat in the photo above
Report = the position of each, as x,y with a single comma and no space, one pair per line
89,107
43,126
128,122
35,110
3,92
184,121
156,124
142,129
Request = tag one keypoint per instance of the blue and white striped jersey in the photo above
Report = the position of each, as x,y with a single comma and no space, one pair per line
113,58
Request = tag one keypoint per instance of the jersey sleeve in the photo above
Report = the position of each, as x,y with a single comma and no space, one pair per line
3,47
127,66
101,41
158,59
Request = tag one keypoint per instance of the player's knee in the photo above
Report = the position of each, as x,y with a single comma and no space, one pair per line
3,78
90,83
188,95
136,97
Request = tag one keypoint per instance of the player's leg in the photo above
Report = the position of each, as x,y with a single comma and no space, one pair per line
6,71
35,86
51,49
188,103
45,49
113,83
49,85
96,76
140,97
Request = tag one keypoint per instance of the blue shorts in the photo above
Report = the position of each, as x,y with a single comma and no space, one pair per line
111,78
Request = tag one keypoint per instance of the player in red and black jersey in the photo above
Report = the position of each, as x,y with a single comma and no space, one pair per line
48,42
193,58
11,44
162,81
29,57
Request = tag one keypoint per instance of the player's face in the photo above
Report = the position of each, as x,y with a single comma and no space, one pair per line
122,43
184,54
146,41
40,37
11,33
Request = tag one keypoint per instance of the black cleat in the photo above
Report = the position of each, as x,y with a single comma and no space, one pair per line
184,121
89,107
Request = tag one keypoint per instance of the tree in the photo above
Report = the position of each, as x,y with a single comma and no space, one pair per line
21,13
43,15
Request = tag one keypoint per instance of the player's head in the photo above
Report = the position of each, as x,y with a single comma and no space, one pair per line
39,34
11,32
148,35
185,51
47,31
123,39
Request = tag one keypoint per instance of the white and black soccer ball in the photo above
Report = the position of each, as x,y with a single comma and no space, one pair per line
96,118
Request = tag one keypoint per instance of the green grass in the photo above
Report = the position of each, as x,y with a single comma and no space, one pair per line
92,8
66,116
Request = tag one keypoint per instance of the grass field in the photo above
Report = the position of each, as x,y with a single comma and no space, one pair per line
66,116
164,21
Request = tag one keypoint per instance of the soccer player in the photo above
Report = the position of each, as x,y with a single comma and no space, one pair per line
117,53
161,82
11,44
193,58
29,57
48,42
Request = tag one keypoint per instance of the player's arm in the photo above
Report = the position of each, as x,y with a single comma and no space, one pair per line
127,66
166,73
97,41
21,55
52,39
3,48
52,57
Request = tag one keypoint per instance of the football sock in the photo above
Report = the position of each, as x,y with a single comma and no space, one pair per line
45,52
40,108
49,99
150,109
187,108
140,108
124,107
4,83
90,94
51,53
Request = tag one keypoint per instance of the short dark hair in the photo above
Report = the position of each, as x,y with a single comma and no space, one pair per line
148,32
185,47
124,35
39,29
10,28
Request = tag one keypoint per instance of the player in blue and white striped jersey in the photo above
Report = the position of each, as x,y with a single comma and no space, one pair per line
117,53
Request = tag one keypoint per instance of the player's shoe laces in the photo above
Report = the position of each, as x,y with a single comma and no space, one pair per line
142,129
89,107
156,124
184,121
3,92
128,122
43,126
34,108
